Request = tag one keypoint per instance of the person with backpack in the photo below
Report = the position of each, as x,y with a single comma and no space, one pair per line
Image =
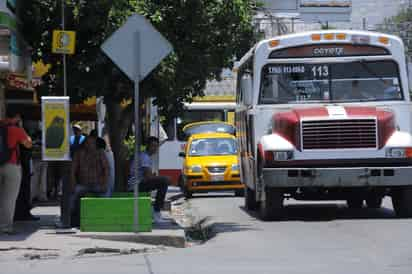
11,136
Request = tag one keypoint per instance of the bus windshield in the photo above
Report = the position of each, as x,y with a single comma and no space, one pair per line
212,146
330,82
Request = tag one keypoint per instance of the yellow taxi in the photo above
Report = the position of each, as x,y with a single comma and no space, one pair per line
210,164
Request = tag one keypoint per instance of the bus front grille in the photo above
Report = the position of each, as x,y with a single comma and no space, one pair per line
339,134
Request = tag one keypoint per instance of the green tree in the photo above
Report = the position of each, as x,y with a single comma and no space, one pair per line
206,35
400,25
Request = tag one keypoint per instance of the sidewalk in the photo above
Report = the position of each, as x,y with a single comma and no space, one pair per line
41,239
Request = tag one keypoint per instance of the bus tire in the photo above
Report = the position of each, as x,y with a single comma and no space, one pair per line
374,200
250,199
354,202
271,207
402,201
239,192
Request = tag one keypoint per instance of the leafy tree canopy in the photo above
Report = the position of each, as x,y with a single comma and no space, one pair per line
400,25
207,35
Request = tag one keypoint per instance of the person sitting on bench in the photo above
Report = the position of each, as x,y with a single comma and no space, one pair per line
90,170
149,181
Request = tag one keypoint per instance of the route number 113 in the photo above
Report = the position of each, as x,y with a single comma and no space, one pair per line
320,71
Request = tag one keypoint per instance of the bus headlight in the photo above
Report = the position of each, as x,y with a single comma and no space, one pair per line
282,155
195,168
235,167
278,155
404,152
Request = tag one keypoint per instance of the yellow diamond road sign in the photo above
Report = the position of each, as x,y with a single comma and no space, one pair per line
64,42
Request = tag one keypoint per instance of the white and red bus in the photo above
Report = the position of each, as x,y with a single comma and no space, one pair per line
169,163
325,115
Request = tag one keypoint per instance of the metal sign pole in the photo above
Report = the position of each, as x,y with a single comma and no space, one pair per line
123,48
64,55
136,131
65,166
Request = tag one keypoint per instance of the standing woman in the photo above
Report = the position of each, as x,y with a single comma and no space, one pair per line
12,134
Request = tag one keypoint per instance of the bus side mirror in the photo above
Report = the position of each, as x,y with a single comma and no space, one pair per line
182,154
247,88
248,97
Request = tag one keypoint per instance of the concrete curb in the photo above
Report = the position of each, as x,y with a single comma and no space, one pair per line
167,237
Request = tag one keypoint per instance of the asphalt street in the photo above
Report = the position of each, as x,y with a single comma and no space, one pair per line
316,238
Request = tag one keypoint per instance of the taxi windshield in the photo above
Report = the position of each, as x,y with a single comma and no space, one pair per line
330,82
212,146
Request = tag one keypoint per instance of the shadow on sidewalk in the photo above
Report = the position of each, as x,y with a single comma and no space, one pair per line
24,229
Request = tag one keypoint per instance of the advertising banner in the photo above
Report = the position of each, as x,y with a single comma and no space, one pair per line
55,123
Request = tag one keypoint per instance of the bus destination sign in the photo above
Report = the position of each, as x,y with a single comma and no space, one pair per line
328,50
335,51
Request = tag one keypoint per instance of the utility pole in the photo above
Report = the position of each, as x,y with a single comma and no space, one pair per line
272,27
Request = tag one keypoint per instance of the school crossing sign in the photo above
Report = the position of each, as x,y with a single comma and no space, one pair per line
64,42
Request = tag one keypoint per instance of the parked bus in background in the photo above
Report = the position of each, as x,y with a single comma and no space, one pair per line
169,162
325,115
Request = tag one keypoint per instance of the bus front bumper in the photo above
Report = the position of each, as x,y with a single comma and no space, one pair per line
337,177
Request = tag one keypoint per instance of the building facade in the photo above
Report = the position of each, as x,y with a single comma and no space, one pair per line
280,17
15,60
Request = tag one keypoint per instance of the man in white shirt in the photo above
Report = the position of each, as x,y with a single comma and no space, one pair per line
149,181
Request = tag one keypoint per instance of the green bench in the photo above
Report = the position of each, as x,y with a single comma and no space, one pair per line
115,214
129,194
121,195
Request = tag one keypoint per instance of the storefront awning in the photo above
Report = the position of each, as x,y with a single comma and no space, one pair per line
79,112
